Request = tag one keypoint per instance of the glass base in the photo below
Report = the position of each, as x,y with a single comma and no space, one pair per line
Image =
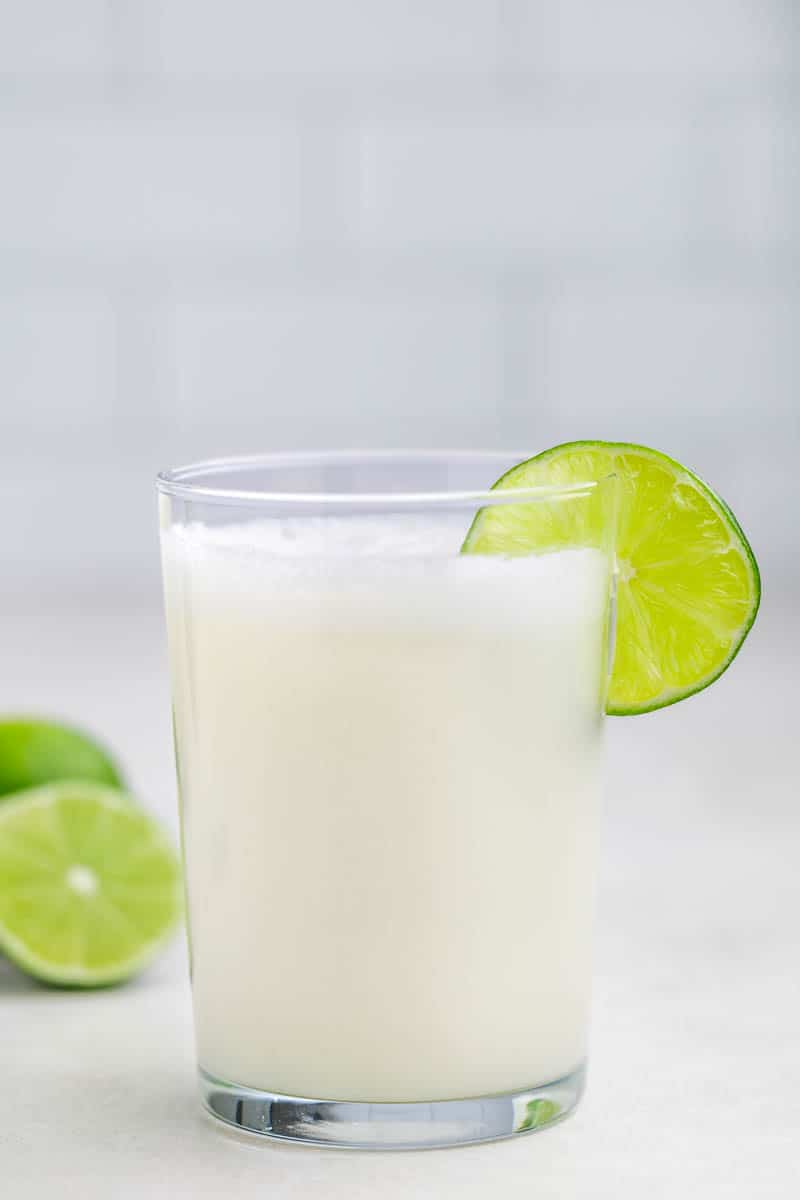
386,1126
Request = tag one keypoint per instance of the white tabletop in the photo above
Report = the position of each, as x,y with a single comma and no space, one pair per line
694,1082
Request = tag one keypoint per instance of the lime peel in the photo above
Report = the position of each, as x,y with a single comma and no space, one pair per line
34,752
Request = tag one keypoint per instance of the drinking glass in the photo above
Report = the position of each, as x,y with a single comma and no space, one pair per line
389,759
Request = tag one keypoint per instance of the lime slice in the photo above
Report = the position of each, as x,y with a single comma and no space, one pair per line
687,584
538,1113
89,885
35,752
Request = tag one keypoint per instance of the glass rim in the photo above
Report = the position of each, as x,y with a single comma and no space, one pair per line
180,482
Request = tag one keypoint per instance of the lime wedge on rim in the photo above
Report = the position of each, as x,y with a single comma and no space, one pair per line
90,887
33,752
687,583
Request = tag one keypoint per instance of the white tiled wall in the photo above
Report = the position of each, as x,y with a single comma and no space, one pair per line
122,184
526,184
753,156
698,40
371,365
354,39
479,222
45,39
49,339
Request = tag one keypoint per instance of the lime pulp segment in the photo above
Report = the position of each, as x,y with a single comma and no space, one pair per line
90,888
687,583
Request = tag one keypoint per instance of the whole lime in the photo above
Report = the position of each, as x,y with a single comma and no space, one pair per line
34,752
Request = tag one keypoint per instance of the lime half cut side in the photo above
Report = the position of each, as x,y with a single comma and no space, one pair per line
687,583
90,887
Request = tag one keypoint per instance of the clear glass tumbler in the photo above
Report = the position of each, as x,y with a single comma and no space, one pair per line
389,760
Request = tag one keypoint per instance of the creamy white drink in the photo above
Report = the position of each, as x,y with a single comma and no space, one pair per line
389,760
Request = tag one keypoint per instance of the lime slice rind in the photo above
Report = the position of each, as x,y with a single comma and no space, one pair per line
688,586
92,936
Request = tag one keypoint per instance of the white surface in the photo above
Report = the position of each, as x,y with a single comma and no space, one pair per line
695,1061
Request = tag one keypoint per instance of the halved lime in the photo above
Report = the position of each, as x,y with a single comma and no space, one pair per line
89,885
687,582
34,752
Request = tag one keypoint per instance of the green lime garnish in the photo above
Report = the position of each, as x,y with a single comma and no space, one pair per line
35,752
90,887
538,1113
687,583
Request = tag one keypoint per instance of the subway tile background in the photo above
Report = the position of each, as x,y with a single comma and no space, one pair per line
251,225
